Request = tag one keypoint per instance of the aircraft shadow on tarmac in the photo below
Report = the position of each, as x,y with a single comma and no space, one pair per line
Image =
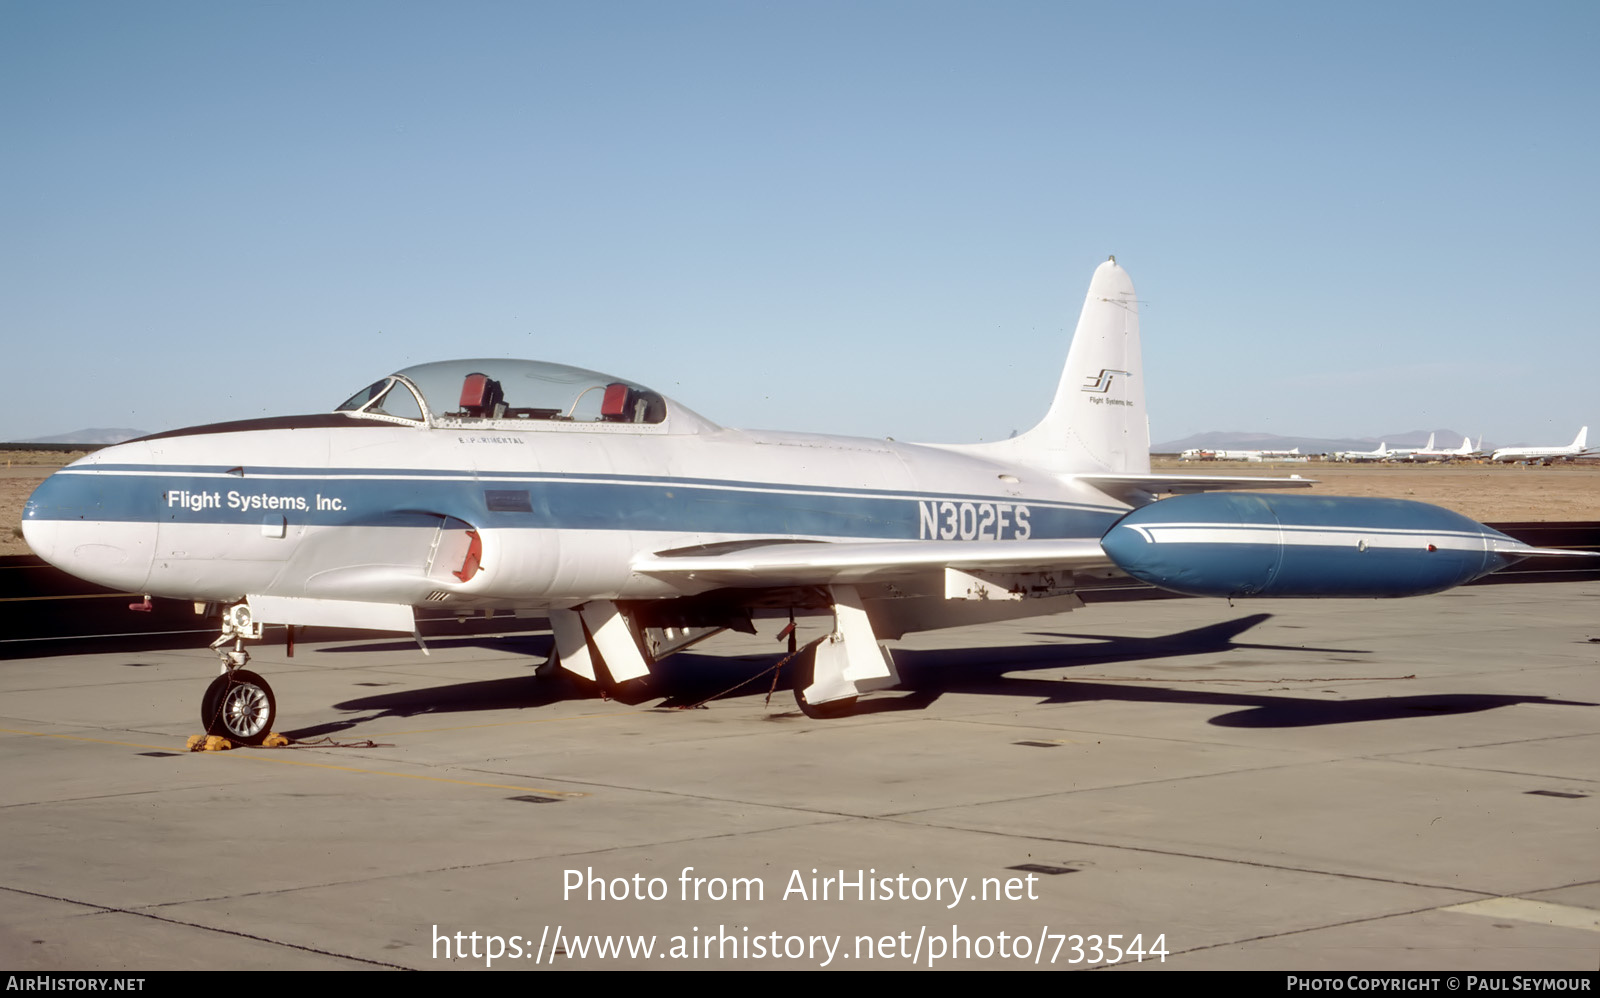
687,680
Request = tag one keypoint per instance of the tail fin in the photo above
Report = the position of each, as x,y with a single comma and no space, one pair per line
1097,421
1583,439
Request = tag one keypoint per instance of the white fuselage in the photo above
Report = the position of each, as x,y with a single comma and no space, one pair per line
386,513
1574,449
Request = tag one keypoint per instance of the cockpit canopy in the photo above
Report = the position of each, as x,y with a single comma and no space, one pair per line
500,392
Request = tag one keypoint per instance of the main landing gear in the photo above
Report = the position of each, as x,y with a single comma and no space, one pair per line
831,673
238,704
598,640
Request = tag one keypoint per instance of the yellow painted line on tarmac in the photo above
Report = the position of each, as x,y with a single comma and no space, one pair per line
1563,916
81,738
259,756
410,776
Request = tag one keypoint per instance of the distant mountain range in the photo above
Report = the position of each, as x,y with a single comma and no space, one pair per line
93,435
1443,438
1214,440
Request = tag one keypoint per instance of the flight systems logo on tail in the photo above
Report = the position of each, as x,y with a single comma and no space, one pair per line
1100,384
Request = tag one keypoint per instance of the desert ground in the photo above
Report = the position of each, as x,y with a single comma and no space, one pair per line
1489,493
1485,492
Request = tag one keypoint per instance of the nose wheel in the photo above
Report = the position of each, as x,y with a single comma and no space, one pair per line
238,704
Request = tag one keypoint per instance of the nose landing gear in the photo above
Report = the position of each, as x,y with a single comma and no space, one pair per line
238,704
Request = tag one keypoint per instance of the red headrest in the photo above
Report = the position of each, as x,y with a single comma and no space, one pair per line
616,401
473,390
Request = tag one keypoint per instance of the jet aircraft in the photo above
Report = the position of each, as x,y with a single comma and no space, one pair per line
1429,453
1383,453
637,525
1410,453
1545,454
1201,454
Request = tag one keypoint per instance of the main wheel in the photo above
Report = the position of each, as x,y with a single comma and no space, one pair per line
239,705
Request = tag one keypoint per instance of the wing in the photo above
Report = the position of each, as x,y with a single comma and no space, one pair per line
780,563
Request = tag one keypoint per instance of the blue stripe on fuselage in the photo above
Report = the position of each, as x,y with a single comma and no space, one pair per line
401,497
252,472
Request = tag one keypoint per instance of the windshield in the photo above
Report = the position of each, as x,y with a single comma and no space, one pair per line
389,397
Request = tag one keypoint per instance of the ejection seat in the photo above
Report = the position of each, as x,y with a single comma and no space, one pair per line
482,397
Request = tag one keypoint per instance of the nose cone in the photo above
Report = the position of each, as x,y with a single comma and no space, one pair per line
77,520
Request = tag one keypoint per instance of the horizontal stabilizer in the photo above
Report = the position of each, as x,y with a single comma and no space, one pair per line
1132,488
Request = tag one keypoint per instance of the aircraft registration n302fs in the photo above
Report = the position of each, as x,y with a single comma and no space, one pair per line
639,526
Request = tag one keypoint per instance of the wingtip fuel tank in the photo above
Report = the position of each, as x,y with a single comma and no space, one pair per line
1248,544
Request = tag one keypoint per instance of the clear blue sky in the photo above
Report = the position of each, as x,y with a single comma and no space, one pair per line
863,217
